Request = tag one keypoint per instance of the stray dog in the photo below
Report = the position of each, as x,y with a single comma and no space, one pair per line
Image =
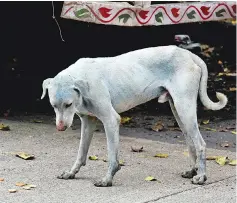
105,87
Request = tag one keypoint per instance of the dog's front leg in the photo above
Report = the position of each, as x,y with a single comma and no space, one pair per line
88,126
111,125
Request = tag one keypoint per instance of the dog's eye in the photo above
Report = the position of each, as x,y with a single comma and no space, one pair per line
68,105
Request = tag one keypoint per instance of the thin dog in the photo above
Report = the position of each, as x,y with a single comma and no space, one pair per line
105,87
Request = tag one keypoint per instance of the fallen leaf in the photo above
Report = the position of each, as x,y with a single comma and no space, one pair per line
175,129
159,126
233,132
134,149
225,144
185,153
232,162
104,160
37,121
221,160
208,129
1,179
220,62
220,74
121,163
161,155
230,74
232,89
125,120
25,156
32,186
4,127
211,158
20,184
205,122
12,190
26,187
150,178
93,158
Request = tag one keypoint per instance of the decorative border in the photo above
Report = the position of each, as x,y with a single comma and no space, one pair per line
123,14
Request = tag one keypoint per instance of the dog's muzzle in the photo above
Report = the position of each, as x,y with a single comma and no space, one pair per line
61,126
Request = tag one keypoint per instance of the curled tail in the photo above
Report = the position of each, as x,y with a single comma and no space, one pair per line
203,88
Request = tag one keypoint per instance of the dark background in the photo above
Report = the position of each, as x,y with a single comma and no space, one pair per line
30,44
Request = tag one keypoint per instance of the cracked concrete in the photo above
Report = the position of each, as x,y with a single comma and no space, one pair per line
56,152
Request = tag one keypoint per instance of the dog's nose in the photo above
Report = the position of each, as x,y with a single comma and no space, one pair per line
61,126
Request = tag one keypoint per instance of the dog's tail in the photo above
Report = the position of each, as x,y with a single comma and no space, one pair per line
203,88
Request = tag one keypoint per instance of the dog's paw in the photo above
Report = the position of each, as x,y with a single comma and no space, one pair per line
199,179
102,183
189,174
66,175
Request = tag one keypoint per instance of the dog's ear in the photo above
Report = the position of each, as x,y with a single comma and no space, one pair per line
45,86
82,87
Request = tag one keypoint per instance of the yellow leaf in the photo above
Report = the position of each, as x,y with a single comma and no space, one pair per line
161,155
159,126
4,127
37,121
220,74
12,190
121,163
125,120
20,184
221,160
186,153
233,132
1,179
209,129
232,89
25,156
93,158
212,157
150,178
232,162
205,122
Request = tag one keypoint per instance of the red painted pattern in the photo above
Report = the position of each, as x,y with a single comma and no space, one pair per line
175,13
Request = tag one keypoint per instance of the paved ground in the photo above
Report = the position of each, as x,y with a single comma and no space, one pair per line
55,152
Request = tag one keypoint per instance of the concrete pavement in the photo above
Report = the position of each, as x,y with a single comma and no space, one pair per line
56,152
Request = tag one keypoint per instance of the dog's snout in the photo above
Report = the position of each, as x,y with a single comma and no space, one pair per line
61,126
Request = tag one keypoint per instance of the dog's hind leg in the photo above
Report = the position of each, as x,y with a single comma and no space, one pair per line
88,126
186,114
189,142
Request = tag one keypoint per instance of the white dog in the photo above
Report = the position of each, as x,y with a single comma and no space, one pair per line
105,87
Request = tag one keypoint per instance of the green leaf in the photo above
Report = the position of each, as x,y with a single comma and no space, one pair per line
232,162
191,14
82,13
125,17
219,13
159,17
161,155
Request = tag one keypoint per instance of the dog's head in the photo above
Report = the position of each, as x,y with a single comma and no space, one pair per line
64,97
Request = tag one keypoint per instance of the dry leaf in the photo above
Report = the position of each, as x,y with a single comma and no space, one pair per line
134,149
150,178
4,127
20,184
233,132
225,144
212,157
26,187
37,121
205,122
221,160
174,129
220,74
159,126
232,89
208,129
121,163
231,74
93,158
220,62
25,156
161,155
12,190
232,162
185,153
125,120
1,179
